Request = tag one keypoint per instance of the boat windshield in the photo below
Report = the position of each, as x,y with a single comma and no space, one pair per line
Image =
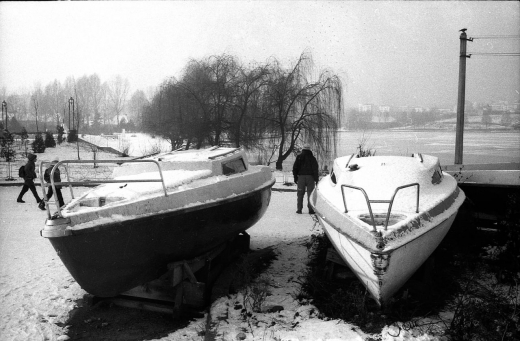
233,166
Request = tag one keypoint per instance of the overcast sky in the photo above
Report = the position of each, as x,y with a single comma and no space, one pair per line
387,53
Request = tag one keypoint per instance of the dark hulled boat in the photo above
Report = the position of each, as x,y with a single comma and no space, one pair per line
124,233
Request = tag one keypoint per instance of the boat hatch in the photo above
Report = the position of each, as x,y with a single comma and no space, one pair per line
380,219
99,201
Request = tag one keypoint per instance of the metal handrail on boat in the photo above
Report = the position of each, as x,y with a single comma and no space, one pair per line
88,182
390,202
420,156
212,157
350,158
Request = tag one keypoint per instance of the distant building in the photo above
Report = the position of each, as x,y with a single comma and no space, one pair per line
366,108
446,111
504,106
404,108
384,108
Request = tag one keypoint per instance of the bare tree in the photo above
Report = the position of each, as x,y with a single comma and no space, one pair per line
36,97
301,109
118,91
104,106
137,103
47,105
57,102
96,89
210,89
246,106
223,76
196,85
165,116
216,98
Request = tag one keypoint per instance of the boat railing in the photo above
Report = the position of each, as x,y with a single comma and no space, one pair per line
70,183
350,158
420,157
224,153
390,202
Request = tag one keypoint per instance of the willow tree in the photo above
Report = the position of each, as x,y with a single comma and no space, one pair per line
245,129
211,85
163,115
302,108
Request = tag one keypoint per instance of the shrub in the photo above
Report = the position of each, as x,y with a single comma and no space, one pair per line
38,145
504,253
24,135
6,143
125,148
256,293
60,134
49,140
72,136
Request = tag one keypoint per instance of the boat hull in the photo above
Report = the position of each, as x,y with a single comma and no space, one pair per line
384,273
113,258
384,235
488,187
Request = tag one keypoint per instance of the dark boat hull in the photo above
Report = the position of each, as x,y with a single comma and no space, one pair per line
488,187
114,258
488,201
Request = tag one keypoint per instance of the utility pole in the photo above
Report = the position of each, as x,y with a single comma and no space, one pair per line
459,139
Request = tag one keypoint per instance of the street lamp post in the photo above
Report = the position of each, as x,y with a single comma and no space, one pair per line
9,152
71,104
4,105
72,134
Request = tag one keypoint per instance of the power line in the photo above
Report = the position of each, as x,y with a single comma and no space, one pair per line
497,37
503,54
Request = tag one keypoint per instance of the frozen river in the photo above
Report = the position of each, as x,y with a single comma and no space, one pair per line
479,146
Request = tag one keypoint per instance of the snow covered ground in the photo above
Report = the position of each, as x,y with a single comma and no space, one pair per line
37,294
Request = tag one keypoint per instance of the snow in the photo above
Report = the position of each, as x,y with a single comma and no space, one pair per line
172,179
36,290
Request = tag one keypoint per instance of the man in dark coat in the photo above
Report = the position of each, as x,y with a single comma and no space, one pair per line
30,175
57,178
305,172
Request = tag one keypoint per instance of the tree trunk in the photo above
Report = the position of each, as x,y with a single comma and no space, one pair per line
279,163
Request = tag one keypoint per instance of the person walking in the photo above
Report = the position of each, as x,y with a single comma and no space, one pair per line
305,172
57,178
30,175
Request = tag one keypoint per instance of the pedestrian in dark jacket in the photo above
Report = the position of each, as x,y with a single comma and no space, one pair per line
30,175
57,178
305,172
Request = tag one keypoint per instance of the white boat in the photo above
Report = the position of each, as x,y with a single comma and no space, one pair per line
155,211
385,215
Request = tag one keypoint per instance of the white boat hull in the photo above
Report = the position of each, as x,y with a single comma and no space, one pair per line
386,215
383,274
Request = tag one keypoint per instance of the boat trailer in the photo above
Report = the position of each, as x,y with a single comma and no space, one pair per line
187,285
